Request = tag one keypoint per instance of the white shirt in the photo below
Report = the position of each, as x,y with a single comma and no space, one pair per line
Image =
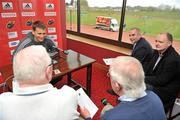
39,103
159,58
134,45
128,99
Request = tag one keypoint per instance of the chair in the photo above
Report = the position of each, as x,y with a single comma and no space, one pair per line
6,86
170,116
2,87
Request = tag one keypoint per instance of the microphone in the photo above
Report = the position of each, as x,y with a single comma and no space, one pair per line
105,102
107,106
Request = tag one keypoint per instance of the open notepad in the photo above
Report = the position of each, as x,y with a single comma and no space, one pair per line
85,101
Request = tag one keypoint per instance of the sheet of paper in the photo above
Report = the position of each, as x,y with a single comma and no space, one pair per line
107,61
85,101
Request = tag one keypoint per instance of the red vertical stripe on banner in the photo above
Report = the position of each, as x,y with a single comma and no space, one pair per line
10,29
51,18
17,17
29,12
1,78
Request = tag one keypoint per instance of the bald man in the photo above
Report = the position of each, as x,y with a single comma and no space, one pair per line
163,72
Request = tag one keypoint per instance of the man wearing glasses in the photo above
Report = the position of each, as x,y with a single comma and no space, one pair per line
33,98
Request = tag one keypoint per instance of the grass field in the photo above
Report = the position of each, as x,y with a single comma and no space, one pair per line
150,22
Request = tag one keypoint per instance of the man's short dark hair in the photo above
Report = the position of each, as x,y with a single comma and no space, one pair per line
169,36
38,24
135,28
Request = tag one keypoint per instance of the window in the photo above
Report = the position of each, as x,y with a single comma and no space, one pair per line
71,15
101,17
153,17
108,20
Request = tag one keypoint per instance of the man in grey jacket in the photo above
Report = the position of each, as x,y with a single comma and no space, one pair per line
36,37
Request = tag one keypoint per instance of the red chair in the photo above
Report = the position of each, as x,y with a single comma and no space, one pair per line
6,86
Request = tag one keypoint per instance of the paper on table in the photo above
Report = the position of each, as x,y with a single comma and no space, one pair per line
85,101
56,71
107,61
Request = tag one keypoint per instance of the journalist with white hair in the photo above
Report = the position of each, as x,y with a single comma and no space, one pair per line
34,98
127,81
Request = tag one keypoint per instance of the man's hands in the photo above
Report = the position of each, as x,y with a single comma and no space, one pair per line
85,112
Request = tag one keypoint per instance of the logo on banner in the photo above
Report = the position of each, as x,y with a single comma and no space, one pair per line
27,5
7,5
52,30
10,24
28,14
8,15
29,22
49,6
13,43
50,21
52,37
49,13
12,35
24,32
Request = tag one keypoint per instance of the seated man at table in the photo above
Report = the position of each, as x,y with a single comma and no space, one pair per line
127,81
163,73
33,98
38,36
142,49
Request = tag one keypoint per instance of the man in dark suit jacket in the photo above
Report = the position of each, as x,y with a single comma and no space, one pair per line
142,50
163,72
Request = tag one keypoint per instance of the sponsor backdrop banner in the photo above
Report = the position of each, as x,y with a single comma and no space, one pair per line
51,16
10,30
16,18
29,12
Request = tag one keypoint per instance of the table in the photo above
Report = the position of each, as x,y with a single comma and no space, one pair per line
68,63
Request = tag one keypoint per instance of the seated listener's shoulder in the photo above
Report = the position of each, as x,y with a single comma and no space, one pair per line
5,94
173,60
66,90
154,98
155,101
156,105
66,95
151,94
